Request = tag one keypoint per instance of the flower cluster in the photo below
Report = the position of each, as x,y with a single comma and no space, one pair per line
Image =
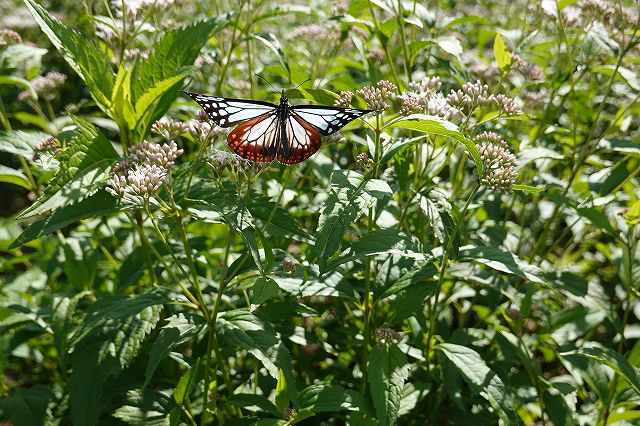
507,105
377,98
7,34
417,96
376,55
44,86
49,146
288,265
363,161
316,33
437,105
170,129
530,71
204,131
144,171
339,7
386,336
476,95
344,101
221,160
499,163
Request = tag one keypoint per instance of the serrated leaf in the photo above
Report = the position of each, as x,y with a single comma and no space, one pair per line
91,64
438,126
481,379
98,204
145,408
186,383
264,289
327,398
611,358
502,55
27,406
179,329
84,167
388,370
503,261
351,196
241,328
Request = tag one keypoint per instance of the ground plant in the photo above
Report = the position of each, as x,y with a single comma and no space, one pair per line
466,253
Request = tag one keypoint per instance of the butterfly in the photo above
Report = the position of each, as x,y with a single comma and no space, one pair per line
267,132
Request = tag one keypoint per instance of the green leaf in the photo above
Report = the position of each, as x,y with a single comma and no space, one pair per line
351,196
503,57
13,176
186,383
27,406
502,261
21,143
528,188
264,289
611,358
481,379
241,328
257,403
273,44
417,276
388,370
107,349
438,126
327,398
145,408
84,167
91,64
99,204
179,329
598,219
282,398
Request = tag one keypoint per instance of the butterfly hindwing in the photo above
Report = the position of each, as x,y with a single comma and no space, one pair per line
302,141
257,139
227,112
327,120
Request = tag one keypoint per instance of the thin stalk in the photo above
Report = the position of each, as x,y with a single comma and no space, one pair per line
389,58
433,307
137,221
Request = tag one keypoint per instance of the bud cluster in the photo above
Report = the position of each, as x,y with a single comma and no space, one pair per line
363,161
44,86
386,336
170,129
377,98
499,163
221,160
7,34
49,146
344,101
144,171
376,55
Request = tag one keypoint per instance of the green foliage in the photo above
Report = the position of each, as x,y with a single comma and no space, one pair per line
466,253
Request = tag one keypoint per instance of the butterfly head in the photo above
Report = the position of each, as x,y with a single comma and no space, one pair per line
283,98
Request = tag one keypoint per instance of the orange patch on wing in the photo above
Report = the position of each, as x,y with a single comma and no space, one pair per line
299,153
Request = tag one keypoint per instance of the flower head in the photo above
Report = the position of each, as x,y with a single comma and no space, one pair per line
377,98
499,163
151,153
49,146
7,34
386,336
363,161
344,101
170,129
376,55
44,86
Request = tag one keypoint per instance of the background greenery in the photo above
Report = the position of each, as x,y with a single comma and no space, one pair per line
396,277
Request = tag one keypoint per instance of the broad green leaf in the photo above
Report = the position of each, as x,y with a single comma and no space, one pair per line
611,358
241,328
438,126
282,397
145,408
388,370
27,406
13,176
179,329
21,143
502,261
264,289
331,284
351,196
481,379
502,55
418,276
327,398
84,167
99,204
598,219
105,351
91,64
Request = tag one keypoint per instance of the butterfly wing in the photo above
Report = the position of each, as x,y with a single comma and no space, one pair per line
227,112
257,139
327,120
300,141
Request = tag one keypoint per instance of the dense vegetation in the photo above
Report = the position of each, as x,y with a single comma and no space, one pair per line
465,254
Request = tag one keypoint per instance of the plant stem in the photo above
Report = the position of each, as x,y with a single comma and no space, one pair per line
145,246
433,307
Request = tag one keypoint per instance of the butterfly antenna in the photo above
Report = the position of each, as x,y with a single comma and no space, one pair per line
265,80
298,86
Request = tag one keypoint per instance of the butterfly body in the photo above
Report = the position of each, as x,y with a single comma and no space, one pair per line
283,132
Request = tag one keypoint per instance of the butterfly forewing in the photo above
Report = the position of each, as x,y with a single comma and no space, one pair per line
227,112
327,120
